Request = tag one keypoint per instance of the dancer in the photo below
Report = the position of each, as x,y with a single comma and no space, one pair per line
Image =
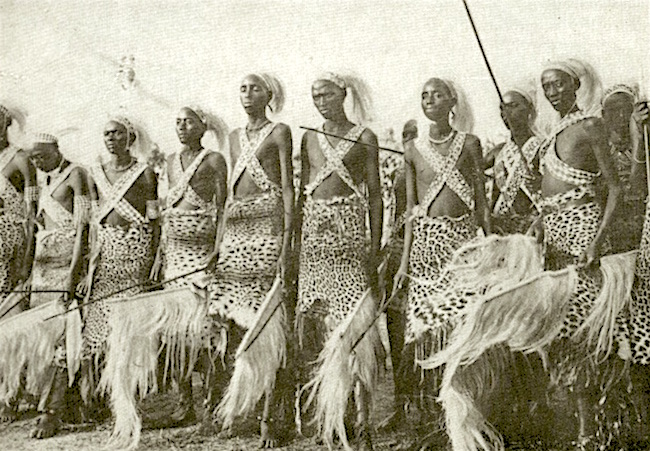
339,186
516,190
255,245
61,243
194,204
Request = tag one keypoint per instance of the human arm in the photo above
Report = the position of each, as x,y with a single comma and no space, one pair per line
478,179
411,199
375,202
80,209
282,137
638,176
593,132
152,209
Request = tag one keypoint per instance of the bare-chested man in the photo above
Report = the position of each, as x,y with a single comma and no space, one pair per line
620,114
197,193
574,224
255,244
18,195
61,240
516,190
445,192
339,187
124,233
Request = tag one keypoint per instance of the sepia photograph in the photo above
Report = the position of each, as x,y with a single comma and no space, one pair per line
323,225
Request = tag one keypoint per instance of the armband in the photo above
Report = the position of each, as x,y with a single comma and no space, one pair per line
31,193
81,210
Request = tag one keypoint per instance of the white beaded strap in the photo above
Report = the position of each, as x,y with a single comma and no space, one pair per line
81,207
32,193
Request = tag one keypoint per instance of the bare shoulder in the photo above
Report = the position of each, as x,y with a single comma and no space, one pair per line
592,125
215,160
170,159
368,137
281,130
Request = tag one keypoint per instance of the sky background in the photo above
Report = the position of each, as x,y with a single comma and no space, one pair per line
59,59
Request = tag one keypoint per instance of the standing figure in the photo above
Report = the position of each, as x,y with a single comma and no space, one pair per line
339,187
18,196
61,243
574,224
255,244
626,147
516,191
124,232
445,204
194,203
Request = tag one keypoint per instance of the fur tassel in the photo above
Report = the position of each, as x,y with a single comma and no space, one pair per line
256,367
483,264
526,317
28,344
615,296
137,326
73,341
339,369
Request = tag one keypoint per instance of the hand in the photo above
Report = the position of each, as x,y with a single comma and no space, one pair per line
84,287
71,288
641,113
24,274
589,257
401,279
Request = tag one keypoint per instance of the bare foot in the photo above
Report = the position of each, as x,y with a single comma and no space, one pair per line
8,413
47,425
184,415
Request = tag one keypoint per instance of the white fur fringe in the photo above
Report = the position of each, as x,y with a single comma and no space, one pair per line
614,297
340,368
256,367
137,327
28,343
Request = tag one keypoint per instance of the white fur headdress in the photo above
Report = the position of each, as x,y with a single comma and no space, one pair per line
589,93
358,91
273,85
212,123
142,146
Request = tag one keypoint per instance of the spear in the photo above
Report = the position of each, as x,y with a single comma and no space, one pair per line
122,290
351,140
494,81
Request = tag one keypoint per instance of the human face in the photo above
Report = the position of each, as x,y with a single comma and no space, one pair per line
253,95
560,90
516,111
328,99
437,100
189,127
45,156
116,138
617,111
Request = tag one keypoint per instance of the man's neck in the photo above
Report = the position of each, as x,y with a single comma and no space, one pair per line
439,129
256,121
120,160
337,123
193,147
573,109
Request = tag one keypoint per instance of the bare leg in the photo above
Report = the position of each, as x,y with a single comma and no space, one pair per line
49,422
364,440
